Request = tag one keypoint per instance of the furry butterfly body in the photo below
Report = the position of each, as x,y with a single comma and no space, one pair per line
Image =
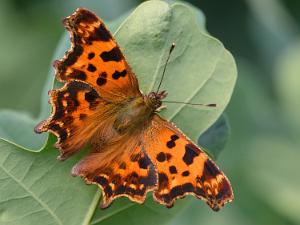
133,149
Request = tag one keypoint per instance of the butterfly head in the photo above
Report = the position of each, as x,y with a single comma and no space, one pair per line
154,99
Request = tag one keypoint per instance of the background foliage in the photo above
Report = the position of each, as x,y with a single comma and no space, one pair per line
262,156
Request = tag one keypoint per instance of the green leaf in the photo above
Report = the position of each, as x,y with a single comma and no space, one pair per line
200,17
200,70
215,138
38,189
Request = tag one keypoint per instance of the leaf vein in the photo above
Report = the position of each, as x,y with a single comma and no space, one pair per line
43,204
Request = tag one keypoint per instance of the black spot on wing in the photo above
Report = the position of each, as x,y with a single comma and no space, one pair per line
176,191
78,75
108,191
210,169
190,153
92,98
172,169
116,75
200,191
59,113
101,180
188,187
91,68
91,55
144,162
174,137
54,126
161,157
112,55
100,34
171,144
62,133
185,173
73,56
102,79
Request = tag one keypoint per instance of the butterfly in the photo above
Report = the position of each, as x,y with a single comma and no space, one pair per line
133,149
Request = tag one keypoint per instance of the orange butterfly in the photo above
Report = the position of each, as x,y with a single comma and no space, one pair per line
134,150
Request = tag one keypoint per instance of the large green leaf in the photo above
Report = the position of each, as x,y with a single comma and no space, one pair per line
37,189
200,70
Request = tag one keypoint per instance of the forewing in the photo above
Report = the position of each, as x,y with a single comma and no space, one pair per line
183,168
96,59
97,76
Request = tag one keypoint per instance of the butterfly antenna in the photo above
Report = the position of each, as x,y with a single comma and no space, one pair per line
162,77
189,103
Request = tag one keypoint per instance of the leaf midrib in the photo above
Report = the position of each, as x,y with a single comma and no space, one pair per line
91,210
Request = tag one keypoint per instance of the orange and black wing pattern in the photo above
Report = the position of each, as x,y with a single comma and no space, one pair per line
96,59
98,82
96,76
183,168
74,109
131,176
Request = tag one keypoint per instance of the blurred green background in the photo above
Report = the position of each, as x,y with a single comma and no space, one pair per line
262,158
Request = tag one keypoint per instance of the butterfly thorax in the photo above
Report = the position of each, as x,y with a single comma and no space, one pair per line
138,111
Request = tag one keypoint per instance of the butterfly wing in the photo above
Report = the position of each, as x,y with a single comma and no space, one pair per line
130,175
96,59
183,168
97,76
74,109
